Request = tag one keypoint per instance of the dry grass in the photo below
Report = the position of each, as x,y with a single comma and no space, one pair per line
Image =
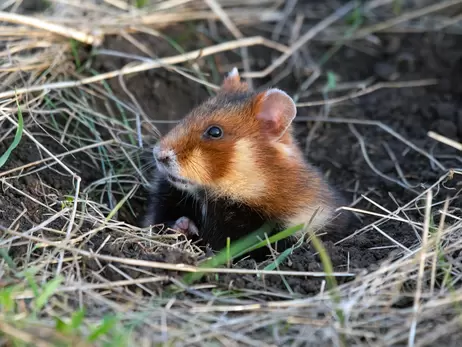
411,299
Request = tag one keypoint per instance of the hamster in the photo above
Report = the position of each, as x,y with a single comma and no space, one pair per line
233,164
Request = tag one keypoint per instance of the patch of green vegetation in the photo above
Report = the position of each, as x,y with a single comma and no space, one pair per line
107,331
397,7
141,3
74,324
8,260
331,82
17,137
68,202
356,17
75,53
242,247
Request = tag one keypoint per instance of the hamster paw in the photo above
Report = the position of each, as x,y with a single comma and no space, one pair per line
186,226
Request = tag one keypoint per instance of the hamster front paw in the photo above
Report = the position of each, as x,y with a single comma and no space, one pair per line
186,226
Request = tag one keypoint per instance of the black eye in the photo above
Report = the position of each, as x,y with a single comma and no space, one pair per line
214,132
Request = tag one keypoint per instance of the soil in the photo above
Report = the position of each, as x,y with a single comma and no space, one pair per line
334,148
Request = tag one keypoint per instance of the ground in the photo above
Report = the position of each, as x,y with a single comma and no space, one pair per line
374,148
411,112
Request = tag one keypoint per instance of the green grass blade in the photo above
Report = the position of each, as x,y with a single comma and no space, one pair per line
242,247
107,324
48,290
277,237
237,247
283,256
17,138
6,257
77,319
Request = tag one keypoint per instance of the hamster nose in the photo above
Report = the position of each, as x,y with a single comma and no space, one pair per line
162,156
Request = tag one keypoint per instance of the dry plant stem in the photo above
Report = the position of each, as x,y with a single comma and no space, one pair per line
381,85
371,165
339,13
404,18
51,27
123,5
289,7
167,266
193,55
240,15
397,166
77,190
422,254
392,239
375,123
31,137
227,22
392,217
398,210
37,162
437,245
71,222
10,186
22,335
36,228
445,140
431,337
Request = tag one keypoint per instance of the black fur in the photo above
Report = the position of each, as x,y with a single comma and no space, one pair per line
224,218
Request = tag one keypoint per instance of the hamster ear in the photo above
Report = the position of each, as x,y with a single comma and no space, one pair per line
276,111
232,83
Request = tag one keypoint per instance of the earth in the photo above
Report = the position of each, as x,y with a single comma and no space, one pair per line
334,147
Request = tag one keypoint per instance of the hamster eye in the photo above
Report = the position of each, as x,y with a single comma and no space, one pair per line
214,132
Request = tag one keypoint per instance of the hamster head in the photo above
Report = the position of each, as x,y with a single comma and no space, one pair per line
228,144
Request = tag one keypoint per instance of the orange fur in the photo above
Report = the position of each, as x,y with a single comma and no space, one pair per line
250,163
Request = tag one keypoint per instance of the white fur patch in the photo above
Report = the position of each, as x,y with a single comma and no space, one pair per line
234,72
157,152
287,150
244,180
172,169
323,213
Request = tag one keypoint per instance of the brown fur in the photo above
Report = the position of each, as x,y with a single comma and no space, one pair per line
246,165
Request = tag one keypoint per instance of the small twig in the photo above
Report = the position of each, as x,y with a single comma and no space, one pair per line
395,212
71,222
37,162
423,249
397,166
445,140
391,239
228,23
378,124
326,22
437,245
373,88
289,7
371,165
51,27
404,18
31,137
36,228
181,58
392,216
